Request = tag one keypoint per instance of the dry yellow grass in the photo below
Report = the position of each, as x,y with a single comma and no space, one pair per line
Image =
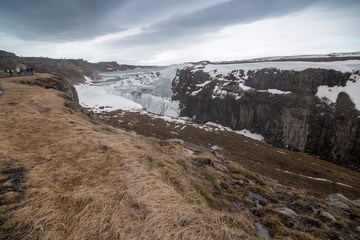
86,180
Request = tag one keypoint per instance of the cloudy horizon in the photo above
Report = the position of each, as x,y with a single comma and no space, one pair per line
161,32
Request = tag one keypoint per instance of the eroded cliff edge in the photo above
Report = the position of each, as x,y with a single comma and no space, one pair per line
281,105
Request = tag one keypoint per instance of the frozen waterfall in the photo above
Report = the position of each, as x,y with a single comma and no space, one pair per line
149,87
154,104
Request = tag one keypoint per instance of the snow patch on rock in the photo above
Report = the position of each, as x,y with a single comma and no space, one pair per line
352,88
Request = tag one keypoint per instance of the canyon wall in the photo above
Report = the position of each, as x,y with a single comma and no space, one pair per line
281,105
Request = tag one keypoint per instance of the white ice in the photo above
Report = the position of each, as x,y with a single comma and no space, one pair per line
351,88
243,132
148,87
99,100
275,91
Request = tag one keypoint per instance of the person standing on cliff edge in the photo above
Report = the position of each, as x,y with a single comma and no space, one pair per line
17,71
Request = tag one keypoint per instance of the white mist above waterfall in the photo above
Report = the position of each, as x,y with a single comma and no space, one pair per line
148,88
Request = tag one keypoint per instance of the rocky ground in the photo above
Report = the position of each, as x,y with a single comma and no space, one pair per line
66,173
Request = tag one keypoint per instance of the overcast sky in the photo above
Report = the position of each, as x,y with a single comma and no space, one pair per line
175,31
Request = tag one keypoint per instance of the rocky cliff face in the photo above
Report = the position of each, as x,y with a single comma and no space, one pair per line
56,82
282,105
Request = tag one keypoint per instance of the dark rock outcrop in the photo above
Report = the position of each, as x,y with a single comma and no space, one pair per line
54,82
306,81
298,120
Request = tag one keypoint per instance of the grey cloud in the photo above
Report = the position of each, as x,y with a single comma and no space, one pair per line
56,20
74,20
145,11
70,20
190,26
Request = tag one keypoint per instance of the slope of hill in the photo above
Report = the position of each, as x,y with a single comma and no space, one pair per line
73,70
66,176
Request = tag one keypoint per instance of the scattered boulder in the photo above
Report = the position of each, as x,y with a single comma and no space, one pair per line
327,215
255,198
337,197
356,203
287,211
340,201
261,231
340,205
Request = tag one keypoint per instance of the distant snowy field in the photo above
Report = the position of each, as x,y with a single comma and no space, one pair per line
225,69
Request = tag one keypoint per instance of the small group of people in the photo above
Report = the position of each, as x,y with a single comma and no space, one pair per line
20,71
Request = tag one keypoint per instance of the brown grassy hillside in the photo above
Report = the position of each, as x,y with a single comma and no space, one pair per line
71,69
65,176
295,169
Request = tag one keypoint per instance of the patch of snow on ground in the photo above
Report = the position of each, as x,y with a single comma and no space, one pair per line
243,132
314,178
218,92
352,88
176,140
245,88
194,93
203,84
345,185
88,80
215,147
249,134
317,179
189,151
275,91
207,126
